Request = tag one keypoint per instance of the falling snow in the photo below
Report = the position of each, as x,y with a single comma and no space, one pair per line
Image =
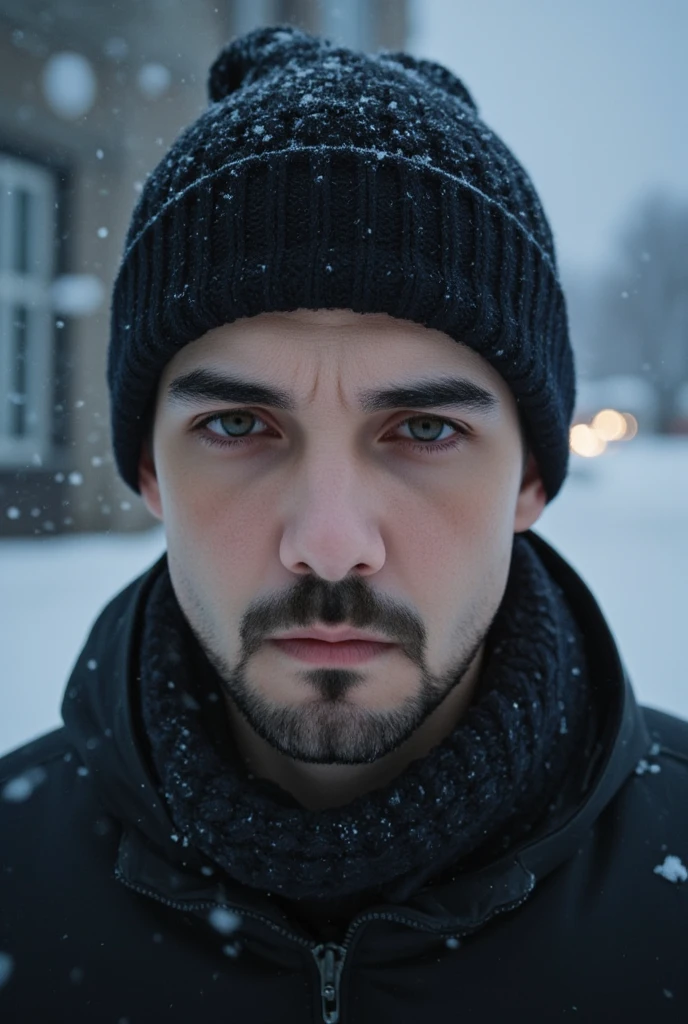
672,869
69,84
224,921
6,968
154,80
77,294
20,788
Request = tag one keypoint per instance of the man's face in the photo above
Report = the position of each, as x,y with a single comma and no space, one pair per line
331,516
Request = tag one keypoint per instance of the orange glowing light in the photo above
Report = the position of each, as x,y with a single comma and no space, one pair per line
609,424
585,441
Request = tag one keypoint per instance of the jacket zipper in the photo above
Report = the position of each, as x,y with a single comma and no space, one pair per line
330,960
203,904
328,956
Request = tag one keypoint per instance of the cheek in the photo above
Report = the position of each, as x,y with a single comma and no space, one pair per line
217,554
469,520
201,507
220,536
463,550
488,503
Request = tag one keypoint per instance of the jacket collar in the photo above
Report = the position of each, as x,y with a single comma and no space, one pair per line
475,897
98,713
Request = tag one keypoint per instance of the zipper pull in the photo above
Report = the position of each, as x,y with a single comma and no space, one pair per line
330,960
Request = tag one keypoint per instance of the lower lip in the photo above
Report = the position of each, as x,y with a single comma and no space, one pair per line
322,652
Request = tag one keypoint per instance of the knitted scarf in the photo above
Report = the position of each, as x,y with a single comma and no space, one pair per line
513,758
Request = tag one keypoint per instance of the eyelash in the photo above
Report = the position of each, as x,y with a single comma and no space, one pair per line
431,448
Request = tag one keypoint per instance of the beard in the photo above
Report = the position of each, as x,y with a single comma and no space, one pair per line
330,728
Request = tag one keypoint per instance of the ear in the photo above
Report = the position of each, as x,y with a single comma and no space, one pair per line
148,480
532,497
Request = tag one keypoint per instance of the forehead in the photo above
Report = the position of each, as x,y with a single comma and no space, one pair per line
376,362
289,345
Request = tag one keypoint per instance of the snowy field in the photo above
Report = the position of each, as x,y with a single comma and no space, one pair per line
621,520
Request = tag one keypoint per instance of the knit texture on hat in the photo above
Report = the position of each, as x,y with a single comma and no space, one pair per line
320,177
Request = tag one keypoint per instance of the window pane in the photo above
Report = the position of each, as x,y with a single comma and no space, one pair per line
21,235
5,200
17,395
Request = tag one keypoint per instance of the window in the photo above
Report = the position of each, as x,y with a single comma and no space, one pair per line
27,236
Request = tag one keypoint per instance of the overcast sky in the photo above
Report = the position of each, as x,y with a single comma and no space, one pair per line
591,96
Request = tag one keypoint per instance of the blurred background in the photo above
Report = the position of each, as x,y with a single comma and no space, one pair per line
590,97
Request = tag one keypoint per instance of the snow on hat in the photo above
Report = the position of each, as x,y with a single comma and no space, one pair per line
321,177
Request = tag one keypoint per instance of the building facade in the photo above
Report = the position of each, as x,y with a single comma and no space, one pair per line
91,94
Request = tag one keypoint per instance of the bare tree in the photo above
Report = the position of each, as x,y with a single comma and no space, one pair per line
641,321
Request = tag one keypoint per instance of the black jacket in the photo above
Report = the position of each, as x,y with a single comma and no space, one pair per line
104,918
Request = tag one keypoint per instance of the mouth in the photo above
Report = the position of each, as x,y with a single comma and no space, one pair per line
332,634
325,652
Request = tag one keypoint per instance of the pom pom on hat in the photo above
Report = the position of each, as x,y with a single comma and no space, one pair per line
250,57
323,177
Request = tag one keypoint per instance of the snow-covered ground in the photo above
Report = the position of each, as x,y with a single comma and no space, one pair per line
621,520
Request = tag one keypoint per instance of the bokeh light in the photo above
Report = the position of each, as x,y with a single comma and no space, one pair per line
609,424
631,426
585,441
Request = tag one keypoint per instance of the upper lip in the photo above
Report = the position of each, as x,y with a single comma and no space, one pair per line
332,636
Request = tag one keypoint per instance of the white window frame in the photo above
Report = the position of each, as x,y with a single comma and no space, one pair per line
25,297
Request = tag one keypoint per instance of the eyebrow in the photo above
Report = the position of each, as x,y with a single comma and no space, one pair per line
210,386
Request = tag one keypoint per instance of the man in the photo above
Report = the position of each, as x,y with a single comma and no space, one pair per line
360,747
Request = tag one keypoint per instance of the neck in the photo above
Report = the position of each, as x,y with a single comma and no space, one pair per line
320,786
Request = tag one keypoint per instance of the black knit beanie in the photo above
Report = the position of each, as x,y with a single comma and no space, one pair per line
320,177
